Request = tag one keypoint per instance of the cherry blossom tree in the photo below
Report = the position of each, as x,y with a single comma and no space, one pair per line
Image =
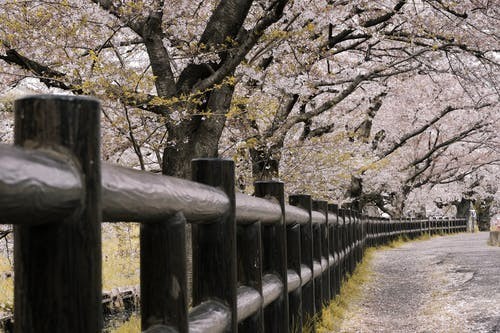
170,64
308,91
333,98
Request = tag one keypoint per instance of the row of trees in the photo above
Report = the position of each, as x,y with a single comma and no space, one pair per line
392,103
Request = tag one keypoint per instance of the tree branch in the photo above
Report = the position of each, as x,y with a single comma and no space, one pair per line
448,142
274,13
50,77
384,17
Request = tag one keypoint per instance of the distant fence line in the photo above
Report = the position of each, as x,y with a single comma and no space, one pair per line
259,264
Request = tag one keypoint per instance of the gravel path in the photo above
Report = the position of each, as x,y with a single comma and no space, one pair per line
445,284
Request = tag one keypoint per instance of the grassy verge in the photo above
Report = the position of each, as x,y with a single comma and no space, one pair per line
350,292
334,313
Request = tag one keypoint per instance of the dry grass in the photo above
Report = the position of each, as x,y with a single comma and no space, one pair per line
350,292
133,325
334,313
6,287
120,256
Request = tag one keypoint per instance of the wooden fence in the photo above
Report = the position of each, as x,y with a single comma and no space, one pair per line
259,263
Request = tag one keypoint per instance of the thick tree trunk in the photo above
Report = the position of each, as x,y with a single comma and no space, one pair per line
463,208
265,163
198,136
194,138
483,214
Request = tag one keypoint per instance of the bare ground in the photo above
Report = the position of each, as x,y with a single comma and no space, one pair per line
445,284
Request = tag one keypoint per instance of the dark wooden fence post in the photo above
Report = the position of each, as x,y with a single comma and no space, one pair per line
275,257
322,206
163,274
352,257
342,245
306,243
364,226
249,244
318,281
348,223
325,252
332,221
336,276
358,232
293,247
409,221
58,265
214,244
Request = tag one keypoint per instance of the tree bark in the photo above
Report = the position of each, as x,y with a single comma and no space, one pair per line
463,207
198,136
483,213
265,163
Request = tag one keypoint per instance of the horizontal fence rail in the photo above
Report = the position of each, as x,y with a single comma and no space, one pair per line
259,263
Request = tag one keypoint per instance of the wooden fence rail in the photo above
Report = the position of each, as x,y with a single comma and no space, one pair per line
259,263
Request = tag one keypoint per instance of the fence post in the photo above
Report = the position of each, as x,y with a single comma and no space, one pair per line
58,265
342,245
163,274
318,281
364,221
249,244
352,236
336,276
306,243
293,262
322,254
358,232
275,257
348,224
214,244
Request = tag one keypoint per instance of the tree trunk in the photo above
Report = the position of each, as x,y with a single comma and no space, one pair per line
198,136
483,214
265,163
194,138
463,208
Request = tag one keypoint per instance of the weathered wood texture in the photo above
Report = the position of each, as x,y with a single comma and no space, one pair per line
58,264
164,296
306,253
274,257
214,244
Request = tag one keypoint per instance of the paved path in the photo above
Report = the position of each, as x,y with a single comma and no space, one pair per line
445,284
